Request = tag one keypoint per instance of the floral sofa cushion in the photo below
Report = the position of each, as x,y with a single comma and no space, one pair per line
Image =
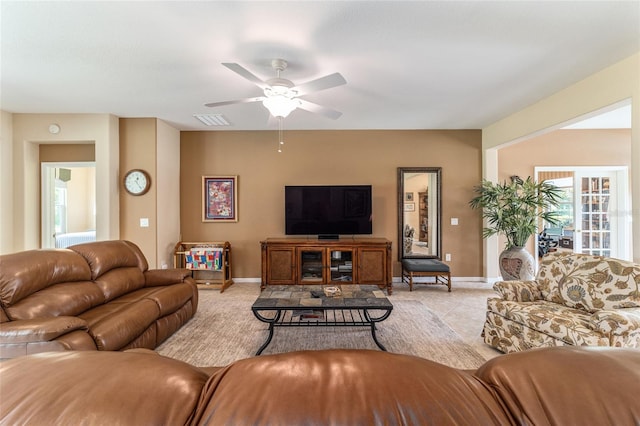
572,326
589,282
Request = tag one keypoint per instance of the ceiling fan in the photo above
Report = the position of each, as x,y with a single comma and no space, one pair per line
281,96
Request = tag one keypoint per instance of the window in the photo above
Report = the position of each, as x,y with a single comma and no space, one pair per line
565,208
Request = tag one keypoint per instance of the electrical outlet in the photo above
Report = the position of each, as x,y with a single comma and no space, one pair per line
144,222
447,257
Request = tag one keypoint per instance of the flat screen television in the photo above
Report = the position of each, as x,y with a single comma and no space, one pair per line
328,211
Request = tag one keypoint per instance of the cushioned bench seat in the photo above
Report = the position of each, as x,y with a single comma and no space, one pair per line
426,268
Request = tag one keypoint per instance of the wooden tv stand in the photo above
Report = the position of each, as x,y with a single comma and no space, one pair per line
300,261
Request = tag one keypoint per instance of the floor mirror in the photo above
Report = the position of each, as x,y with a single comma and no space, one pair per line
419,212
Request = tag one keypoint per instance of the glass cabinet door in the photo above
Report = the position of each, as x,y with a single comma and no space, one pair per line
341,266
311,265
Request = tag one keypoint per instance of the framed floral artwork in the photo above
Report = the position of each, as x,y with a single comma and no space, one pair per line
219,198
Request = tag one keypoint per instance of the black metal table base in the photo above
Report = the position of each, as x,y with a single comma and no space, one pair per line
354,317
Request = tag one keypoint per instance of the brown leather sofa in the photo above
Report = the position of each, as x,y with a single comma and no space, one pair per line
560,386
98,295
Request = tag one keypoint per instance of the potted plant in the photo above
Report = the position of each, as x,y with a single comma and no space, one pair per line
514,210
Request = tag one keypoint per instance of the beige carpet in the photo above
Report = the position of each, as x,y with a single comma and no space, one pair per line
224,330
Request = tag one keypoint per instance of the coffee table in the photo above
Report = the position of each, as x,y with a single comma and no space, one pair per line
309,306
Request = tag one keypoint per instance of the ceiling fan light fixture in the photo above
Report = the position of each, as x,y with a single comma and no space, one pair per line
280,105
281,95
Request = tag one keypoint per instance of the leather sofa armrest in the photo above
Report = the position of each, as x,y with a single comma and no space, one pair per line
160,277
518,291
39,330
617,322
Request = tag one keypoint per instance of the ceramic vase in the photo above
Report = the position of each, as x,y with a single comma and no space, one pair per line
516,263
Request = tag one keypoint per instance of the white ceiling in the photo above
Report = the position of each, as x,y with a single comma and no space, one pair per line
408,64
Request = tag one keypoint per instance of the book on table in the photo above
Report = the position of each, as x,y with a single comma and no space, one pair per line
308,314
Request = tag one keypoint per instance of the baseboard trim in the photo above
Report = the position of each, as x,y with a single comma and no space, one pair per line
395,279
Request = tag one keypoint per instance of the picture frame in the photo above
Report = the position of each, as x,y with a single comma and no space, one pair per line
408,196
409,207
219,198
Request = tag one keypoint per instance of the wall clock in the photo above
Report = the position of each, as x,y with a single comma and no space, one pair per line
137,182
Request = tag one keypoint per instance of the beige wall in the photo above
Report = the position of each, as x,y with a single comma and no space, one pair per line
59,153
603,147
610,87
154,146
168,192
28,132
82,188
7,240
329,157
610,147
138,151
81,199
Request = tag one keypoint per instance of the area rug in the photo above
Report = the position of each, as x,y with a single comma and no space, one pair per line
225,330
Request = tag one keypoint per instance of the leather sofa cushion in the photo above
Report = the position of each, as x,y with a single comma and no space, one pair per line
118,282
345,387
71,298
172,298
568,385
114,388
110,255
168,299
24,273
115,325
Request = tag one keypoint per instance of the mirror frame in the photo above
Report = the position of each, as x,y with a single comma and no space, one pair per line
401,201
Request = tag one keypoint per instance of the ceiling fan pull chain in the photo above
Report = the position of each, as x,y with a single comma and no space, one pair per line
280,131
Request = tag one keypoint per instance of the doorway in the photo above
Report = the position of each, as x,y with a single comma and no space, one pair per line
595,214
68,203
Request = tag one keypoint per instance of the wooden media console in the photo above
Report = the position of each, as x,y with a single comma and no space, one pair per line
300,261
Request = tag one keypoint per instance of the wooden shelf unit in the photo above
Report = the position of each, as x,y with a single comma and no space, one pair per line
300,261
206,278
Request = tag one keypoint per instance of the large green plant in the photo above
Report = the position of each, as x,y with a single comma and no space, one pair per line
514,209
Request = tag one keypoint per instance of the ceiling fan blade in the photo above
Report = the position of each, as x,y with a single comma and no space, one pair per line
238,101
239,69
319,109
322,83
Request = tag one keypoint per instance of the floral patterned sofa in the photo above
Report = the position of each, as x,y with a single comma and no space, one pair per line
576,299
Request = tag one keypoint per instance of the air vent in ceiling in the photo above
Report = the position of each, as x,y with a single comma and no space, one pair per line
212,119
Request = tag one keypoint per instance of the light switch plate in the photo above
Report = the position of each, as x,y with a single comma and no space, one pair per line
144,222
454,220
